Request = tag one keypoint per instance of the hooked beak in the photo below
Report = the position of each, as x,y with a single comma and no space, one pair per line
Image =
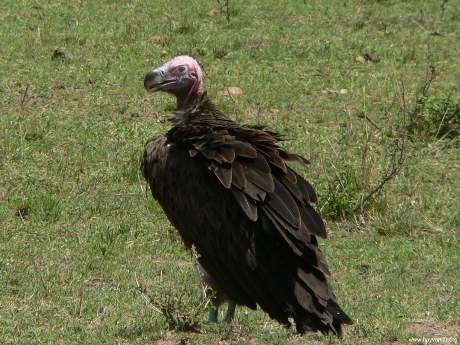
157,80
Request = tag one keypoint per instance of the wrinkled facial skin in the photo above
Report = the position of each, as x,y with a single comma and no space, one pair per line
182,77
173,79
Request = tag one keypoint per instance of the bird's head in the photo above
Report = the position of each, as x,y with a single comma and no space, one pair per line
182,77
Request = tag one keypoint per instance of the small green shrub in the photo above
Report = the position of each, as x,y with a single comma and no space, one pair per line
441,117
342,192
433,117
181,298
39,204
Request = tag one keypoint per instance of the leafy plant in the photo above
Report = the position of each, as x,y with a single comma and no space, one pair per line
182,309
440,118
432,117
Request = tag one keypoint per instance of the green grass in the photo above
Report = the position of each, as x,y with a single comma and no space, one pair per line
86,255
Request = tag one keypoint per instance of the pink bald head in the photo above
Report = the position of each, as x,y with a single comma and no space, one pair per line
182,76
188,61
194,69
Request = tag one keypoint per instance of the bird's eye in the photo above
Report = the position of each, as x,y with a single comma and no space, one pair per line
181,69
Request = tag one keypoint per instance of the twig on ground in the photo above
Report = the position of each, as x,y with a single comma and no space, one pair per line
24,96
364,116
398,156
147,298
225,9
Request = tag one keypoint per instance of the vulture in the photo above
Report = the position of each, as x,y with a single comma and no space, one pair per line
230,192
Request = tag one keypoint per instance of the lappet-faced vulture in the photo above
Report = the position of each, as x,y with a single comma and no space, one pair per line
229,191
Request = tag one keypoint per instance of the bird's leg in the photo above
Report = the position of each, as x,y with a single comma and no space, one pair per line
213,314
230,312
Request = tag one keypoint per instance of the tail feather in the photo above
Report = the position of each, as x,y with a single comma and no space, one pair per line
310,316
338,317
309,322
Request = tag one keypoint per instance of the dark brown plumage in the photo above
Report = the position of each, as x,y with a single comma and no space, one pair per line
228,190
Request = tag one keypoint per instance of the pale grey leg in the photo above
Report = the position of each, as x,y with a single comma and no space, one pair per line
213,314
230,312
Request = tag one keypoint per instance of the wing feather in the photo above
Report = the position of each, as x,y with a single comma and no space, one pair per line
284,205
254,192
225,154
259,173
238,177
282,231
247,205
312,221
301,189
292,157
316,284
245,150
224,174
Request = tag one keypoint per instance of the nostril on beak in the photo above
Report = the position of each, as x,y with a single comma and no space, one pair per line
152,78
